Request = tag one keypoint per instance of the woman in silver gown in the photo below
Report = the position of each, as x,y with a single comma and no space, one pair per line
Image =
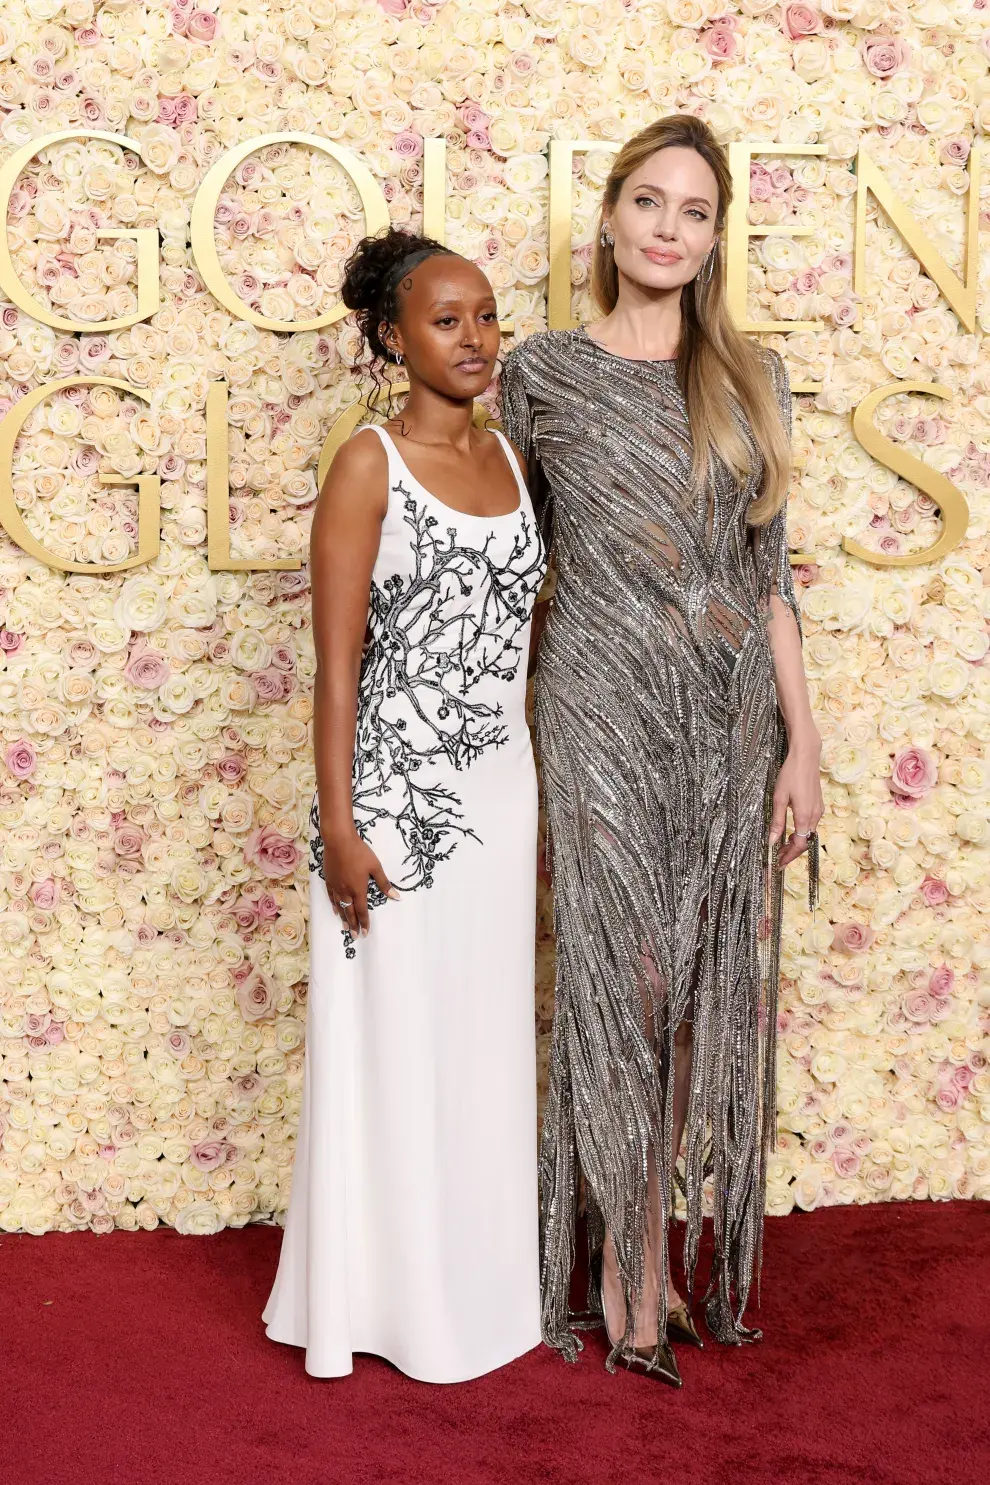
675,734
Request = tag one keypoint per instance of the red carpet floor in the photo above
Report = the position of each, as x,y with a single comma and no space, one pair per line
140,1359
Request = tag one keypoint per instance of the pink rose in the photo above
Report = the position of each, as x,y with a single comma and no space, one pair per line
955,151
846,1162
128,841
721,42
852,938
942,980
230,768
918,1007
250,1085
267,906
177,1042
884,55
270,684
10,642
272,852
799,20
407,144
55,1034
949,1097
806,282
929,430
256,996
760,184
36,1023
211,1154
147,669
473,117
46,894
201,26
185,108
394,7
21,759
914,773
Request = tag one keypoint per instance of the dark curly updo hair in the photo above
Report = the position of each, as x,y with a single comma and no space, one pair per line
372,276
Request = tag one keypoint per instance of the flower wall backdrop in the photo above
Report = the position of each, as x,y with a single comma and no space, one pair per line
155,760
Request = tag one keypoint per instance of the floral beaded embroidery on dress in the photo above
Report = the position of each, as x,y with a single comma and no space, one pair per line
441,636
412,1231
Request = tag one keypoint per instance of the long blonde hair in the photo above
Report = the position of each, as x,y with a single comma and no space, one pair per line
719,369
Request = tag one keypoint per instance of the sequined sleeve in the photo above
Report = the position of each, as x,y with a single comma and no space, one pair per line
774,553
517,419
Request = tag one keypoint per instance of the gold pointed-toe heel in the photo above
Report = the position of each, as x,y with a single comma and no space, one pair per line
680,1327
659,1362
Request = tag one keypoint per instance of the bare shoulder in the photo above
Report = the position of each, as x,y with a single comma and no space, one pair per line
358,474
363,453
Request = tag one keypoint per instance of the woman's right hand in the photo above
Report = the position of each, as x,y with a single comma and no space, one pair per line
348,865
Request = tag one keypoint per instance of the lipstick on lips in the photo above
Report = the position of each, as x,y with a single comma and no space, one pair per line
658,255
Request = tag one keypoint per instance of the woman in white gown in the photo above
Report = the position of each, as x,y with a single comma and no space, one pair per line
412,1230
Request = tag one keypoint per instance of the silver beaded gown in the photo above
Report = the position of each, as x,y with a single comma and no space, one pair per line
659,736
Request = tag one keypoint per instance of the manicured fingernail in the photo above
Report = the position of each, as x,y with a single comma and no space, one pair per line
364,933
395,896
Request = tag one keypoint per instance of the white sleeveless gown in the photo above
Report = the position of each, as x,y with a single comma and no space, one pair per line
412,1230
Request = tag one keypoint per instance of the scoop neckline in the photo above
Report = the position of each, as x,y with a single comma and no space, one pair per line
633,360
465,515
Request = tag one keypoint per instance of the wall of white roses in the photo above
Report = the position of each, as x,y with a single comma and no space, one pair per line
156,767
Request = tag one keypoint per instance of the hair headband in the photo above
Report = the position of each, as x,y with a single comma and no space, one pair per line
408,263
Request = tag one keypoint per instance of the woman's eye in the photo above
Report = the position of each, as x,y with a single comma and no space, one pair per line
645,201
446,320
702,216
490,315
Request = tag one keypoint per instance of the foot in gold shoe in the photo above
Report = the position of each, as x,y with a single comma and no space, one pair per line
655,1362
680,1327
659,1363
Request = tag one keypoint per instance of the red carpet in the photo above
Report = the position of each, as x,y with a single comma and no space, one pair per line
140,1359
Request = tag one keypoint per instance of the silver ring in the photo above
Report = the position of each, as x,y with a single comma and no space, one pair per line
341,902
804,834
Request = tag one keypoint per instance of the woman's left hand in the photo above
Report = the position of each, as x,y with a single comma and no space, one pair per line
799,789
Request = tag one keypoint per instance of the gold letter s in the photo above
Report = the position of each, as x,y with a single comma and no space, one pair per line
951,500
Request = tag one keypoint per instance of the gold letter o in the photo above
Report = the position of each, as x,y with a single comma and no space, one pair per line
204,211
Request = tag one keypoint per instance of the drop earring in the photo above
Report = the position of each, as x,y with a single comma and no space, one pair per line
605,236
398,357
708,266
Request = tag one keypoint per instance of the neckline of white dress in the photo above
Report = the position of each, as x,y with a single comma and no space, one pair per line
452,510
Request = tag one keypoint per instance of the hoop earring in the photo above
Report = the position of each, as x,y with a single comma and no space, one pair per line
605,236
398,357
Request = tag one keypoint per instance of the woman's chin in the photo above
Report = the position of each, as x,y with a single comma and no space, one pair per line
659,278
